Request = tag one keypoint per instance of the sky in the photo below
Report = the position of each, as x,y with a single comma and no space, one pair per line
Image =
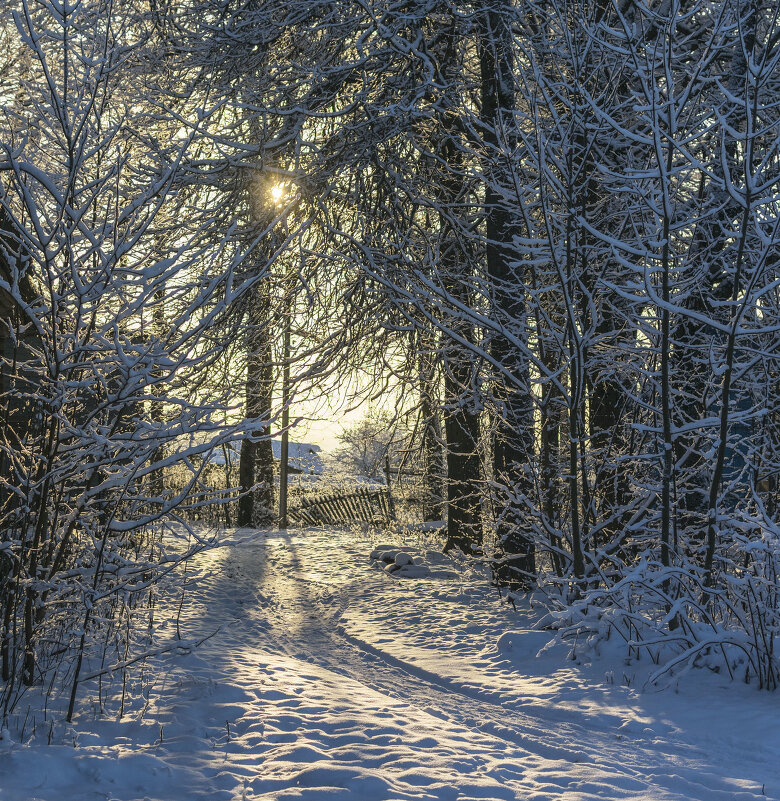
322,421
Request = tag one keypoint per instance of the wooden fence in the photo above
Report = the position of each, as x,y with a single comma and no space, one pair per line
338,505
373,505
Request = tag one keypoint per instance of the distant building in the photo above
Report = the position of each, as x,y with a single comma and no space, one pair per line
303,458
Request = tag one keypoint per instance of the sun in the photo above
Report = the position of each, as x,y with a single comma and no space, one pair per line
277,192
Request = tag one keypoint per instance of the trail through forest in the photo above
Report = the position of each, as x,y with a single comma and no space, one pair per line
330,678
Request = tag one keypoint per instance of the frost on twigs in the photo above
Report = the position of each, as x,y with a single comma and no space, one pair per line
116,299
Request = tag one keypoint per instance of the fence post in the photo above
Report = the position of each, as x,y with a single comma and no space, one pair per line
390,503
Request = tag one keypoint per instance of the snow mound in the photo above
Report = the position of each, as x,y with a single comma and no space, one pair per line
388,553
405,561
512,641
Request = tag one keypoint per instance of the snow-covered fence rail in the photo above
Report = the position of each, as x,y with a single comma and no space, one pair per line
360,505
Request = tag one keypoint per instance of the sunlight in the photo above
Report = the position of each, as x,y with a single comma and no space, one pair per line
283,281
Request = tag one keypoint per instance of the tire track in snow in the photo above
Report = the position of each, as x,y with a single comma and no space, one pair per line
304,615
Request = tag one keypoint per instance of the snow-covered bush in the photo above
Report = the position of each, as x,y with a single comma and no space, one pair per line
107,296
673,618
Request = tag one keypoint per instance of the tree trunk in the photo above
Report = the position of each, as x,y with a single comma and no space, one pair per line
433,461
514,428
461,392
256,467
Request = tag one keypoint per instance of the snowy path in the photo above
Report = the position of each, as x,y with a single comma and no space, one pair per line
335,680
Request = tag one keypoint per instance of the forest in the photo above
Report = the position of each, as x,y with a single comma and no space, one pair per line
542,236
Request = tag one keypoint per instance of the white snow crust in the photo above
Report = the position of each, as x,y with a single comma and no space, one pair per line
332,677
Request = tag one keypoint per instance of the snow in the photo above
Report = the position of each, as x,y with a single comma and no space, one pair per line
330,678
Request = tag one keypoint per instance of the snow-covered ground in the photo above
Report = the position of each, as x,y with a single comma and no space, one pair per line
334,678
